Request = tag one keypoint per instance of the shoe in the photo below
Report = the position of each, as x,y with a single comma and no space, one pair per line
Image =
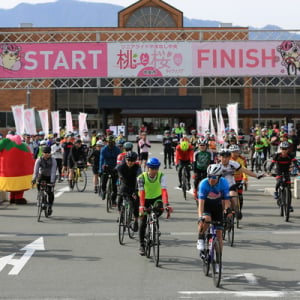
180,186
291,209
200,245
12,201
165,167
136,226
96,190
240,215
217,268
21,201
142,250
275,195
170,167
49,211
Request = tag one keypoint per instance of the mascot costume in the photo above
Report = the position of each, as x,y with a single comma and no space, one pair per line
16,168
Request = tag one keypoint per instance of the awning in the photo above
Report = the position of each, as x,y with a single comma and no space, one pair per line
155,112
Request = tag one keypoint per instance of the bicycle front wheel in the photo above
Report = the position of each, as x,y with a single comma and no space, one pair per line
206,262
217,263
148,240
108,196
130,221
122,226
39,205
155,243
81,180
45,205
230,231
288,198
184,183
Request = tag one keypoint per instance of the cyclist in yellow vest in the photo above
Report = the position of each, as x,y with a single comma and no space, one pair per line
152,188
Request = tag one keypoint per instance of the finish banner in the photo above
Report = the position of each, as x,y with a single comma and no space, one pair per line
150,59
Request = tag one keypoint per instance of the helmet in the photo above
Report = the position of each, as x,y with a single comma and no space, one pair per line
234,148
43,143
167,131
131,156
46,149
153,163
184,145
193,131
232,137
78,141
214,169
202,142
225,152
128,146
284,145
110,138
100,143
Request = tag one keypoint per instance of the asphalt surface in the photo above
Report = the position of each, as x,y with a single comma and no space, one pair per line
76,254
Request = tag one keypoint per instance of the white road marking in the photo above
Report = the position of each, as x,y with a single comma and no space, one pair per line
270,294
19,263
61,191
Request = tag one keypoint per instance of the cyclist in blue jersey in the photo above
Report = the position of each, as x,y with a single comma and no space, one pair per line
214,200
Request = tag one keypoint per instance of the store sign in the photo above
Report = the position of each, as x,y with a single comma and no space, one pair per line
150,59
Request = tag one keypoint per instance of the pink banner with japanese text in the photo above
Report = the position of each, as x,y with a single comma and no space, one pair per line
29,121
51,60
18,113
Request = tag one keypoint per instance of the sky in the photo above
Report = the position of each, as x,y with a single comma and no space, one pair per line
256,13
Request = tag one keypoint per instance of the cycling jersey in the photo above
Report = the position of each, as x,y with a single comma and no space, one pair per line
187,155
201,160
238,174
283,163
216,192
153,188
228,171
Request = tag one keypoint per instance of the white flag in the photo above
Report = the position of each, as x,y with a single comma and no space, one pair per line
232,111
205,120
55,122
29,121
82,123
18,113
212,127
221,129
44,121
69,122
198,121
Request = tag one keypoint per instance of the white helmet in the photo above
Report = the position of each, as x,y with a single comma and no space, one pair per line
214,169
43,143
100,143
234,148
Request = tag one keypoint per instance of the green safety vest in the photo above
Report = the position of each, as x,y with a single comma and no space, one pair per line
152,188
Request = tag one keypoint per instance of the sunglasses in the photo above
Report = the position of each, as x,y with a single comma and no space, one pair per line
284,148
212,177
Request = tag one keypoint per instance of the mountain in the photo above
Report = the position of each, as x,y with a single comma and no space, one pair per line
73,13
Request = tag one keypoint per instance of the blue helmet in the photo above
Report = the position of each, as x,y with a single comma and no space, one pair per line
153,163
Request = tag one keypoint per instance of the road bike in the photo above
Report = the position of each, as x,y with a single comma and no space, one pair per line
108,194
152,235
126,219
258,162
284,196
212,253
79,178
228,224
42,199
184,180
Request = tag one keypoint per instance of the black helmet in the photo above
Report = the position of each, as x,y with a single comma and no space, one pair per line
78,141
128,146
131,156
110,138
46,149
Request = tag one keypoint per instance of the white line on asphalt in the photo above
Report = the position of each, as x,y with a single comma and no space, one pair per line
270,294
61,191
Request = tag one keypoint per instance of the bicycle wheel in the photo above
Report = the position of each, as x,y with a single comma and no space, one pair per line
239,198
148,240
216,259
230,231
206,259
155,243
122,226
184,183
45,205
81,180
130,220
288,197
109,194
39,205
283,203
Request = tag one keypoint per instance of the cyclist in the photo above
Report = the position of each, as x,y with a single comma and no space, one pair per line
167,144
239,177
107,164
128,146
45,170
128,173
194,139
56,152
213,195
259,147
184,155
228,168
152,188
202,159
77,156
93,159
66,146
283,162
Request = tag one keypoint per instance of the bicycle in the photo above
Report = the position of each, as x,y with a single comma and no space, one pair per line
184,180
80,178
152,235
108,192
258,162
284,197
212,254
228,224
42,199
126,219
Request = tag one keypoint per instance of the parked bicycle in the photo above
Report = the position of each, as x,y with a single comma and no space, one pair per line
42,199
212,254
126,219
